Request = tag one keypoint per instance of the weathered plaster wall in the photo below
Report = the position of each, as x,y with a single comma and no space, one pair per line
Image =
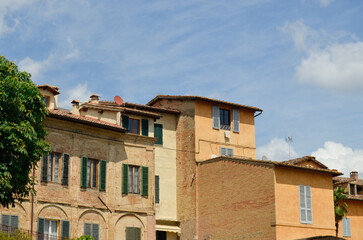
288,224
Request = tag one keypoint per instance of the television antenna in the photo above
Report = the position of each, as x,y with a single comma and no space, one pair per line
289,141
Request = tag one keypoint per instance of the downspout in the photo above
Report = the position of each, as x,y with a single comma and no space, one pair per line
196,201
32,208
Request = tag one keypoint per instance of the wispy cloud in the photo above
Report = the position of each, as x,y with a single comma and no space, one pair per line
337,156
35,68
80,92
333,61
276,150
325,3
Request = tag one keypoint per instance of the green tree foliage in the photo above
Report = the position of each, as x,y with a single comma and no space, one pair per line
22,133
340,207
16,235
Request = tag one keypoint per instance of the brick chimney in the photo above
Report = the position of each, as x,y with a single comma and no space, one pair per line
94,98
354,175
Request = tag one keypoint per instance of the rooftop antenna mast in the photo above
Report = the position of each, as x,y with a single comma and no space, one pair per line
289,141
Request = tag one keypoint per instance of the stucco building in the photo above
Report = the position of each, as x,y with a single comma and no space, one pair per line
351,227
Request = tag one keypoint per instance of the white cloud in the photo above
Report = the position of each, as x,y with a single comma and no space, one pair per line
329,62
276,150
9,6
337,156
325,3
79,92
35,68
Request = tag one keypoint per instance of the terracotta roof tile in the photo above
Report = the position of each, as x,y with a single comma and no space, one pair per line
296,161
52,89
159,97
65,115
140,107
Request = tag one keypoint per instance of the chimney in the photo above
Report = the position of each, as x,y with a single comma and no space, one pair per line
94,98
75,108
354,175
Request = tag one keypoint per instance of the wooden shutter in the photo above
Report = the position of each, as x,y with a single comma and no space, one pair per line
303,216
130,233
137,234
309,210
125,178
344,226
5,220
87,229
223,151
145,181
125,122
84,172
229,151
40,228
158,133
65,229
65,169
235,120
157,190
103,175
144,127
44,173
95,231
215,116
348,227
14,221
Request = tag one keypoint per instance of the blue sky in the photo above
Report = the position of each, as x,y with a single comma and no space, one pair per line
300,61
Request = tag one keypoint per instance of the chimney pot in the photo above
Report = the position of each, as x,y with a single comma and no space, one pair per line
354,175
94,98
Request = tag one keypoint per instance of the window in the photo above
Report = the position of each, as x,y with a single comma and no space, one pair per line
49,229
351,189
133,233
91,229
134,126
93,173
226,151
157,189
55,168
9,223
306,213
46,100
221,118
346,227
132,180
158,133
224,118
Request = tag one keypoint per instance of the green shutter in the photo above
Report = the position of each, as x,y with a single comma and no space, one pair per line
158,133
157,190
137,233
65,229
125,178
5,220
95,231
44,173
125,122
14,222
130,233
145,181
40,228
65,169
144,127
103,175
87,229
84,172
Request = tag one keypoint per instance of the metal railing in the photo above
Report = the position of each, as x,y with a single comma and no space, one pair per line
24,234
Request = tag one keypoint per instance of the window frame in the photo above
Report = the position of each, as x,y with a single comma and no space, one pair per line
91,229
90,175
51,177
131,126
9,227
346,227
352,187
47,104
132,175
226,149
222,121
306,202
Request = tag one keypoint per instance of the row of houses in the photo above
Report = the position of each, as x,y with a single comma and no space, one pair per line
178,167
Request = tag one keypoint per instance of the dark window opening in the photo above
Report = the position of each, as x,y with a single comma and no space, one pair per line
352,189
160,235
134,126
224,118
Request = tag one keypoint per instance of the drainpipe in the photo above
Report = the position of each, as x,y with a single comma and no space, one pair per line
32,209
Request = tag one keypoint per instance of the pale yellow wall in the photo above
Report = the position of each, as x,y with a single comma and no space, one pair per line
107,116
165,167
355,213
53,100
287,181
209,140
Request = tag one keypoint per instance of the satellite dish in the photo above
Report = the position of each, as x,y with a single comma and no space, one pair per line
118,100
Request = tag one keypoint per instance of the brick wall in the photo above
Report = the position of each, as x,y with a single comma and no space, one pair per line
235,201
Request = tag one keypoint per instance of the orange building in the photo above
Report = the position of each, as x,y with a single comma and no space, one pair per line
351,227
